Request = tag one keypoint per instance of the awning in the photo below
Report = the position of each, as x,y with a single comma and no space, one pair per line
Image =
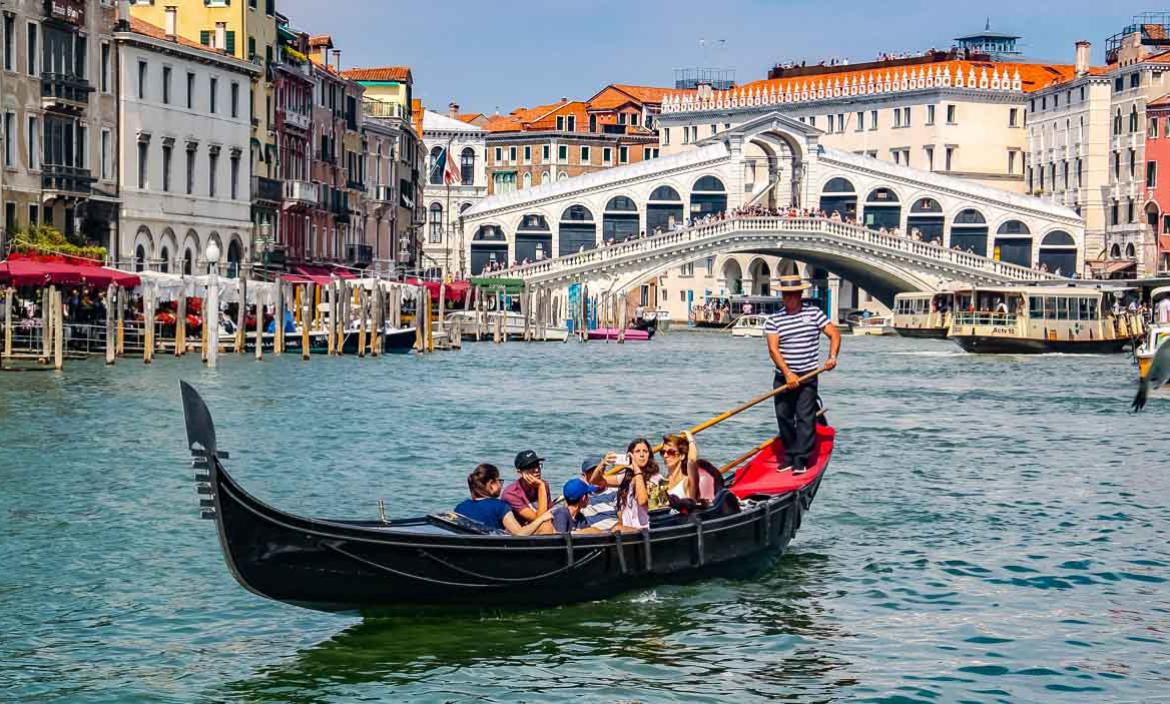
512,287
43,270
320,275
1109,268
456,290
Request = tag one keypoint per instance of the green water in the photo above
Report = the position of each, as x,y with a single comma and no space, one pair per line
991,529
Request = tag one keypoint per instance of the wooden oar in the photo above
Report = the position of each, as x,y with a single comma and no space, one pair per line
727,414
746,456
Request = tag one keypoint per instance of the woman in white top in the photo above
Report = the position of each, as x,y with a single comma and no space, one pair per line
686,479
633,499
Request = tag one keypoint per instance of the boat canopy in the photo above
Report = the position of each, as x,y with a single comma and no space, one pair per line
320,275
512,287
456,290
43,269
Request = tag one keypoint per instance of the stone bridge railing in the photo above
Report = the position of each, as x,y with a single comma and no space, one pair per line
629,251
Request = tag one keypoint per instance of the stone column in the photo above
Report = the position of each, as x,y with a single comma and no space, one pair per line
834,311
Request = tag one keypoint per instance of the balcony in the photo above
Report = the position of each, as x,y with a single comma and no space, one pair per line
296,119
359,255
300,193
266,189
64,92
382,195
355,185
59,181
339,206
383,109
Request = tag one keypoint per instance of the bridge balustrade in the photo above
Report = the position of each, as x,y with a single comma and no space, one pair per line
778,224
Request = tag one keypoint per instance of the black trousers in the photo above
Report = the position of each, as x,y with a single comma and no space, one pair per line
796,415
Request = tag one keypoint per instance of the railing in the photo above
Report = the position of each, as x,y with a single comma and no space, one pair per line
381,194
266,189
302,192
65,88
720,229
66,179
383,109
296,119
361,255
985,318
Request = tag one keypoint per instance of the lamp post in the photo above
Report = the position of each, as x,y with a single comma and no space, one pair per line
211,307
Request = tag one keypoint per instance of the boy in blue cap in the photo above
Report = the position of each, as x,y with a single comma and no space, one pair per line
568,517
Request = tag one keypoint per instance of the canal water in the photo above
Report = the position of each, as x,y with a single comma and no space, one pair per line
991,529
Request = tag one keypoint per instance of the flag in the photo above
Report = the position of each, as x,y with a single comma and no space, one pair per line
450,170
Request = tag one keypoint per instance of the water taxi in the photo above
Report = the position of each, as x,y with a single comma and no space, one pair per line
875,325
1158,333
1023,319
923,315
749,326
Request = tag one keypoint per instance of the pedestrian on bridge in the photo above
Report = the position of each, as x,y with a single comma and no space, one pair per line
793,334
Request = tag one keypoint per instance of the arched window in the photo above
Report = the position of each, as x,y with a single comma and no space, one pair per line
970,216
562,176
544,177
1013,243
488,246
708,197
1133,119
436,220
533,238
233,258
838,185
1013,227
435,173
577,230
882,210
1058,253
188,262
164,257
666,194
620,220
1058,238
1115,251
1130,252
1117,122
664,210
969,232
463,208
926,220
926,205
467,166
140,258
527,179
881,196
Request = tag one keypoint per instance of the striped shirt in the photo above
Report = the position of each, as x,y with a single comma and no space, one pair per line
799,336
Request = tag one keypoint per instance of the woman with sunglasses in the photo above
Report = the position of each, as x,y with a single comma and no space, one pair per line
685,478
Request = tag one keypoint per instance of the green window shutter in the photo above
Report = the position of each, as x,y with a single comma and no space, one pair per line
231,43
251,47
205,37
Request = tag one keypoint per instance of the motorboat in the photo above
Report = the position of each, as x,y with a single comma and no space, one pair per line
749,326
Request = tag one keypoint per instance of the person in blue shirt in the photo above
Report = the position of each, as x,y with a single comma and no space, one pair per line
486,507
569,517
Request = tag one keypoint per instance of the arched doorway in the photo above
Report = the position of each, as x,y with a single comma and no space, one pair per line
234,257
969,232
488,246
927,219
1152,216
708,197
839,196
533,238
1058,253
761,275
619,222
1013,243
578,231
732,277
882,209
664,209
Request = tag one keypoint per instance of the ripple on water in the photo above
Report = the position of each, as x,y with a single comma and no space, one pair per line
991,530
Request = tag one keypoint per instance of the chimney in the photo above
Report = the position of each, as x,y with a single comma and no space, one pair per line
1082,62
172,21
337,60
221,36
123,14
452,109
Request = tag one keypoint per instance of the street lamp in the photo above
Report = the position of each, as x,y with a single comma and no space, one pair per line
211,310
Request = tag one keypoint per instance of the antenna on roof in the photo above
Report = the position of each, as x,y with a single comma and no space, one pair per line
987,27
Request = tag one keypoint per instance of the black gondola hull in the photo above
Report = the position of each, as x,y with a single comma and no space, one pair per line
922,333
985,344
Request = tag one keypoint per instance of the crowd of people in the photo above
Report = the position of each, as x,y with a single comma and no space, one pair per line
610,493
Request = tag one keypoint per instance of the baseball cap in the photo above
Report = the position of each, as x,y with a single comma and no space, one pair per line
589,463
576,488
526,459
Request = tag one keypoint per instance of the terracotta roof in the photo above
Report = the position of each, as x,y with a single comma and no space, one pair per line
502,123
470,117
617,94
1159,102
147,29
400,74
1033,77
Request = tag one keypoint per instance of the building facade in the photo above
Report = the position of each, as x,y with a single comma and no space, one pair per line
183,161
1157,209
466,144
58,119
246,30
379,141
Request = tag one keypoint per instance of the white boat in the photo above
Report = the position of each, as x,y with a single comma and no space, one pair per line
749,326
876,325
513,326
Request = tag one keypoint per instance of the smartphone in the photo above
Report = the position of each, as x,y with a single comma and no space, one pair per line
627,460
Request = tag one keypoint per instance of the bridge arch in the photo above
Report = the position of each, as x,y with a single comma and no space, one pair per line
708,196
577,230
1058,252
927,218
1013,242
732,275
969,231
839,195
619,220
533,238
489,246
883,208
761,275
664,207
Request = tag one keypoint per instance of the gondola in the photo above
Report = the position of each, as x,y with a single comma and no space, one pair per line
443,560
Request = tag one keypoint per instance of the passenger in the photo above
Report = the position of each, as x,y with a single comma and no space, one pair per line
601,513
529,496
486,507
687,476
633,499
569,517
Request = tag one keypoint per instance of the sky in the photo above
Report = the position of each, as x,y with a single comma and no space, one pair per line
490,55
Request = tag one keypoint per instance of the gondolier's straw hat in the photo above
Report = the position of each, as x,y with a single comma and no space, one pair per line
793,283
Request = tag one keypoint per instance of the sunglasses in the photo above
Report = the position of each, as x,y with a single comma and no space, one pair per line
669,452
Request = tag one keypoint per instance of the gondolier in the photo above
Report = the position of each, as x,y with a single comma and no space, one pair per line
793,335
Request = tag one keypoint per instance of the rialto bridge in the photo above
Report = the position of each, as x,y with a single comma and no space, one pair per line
615,228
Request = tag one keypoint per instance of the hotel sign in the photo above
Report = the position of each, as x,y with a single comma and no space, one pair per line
71,11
